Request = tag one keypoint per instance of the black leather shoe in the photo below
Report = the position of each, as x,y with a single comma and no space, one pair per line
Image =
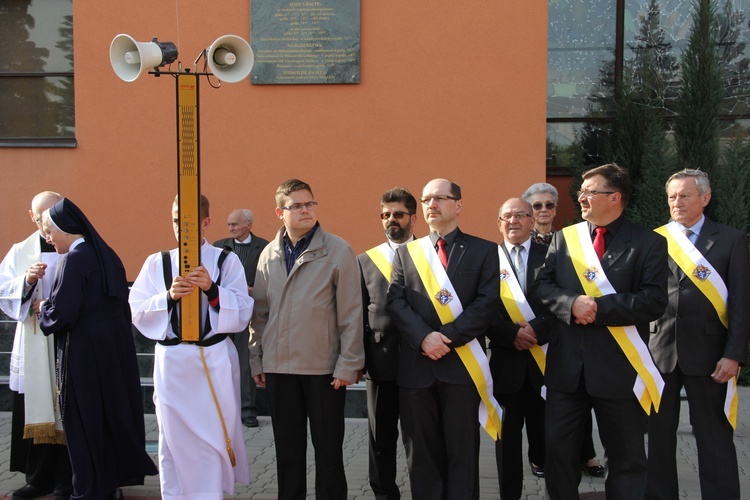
593,470
62,492
31,491
537,470
116,495
250,422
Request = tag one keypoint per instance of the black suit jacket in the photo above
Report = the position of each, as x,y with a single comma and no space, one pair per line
251,261
636,264
473,271
381,334
509,366
690,331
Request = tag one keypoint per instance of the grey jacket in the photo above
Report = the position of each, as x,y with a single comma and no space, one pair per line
308,322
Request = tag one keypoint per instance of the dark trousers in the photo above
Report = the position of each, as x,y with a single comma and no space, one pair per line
247,384
587,450
44,464
382,414
717,458
441,436
621,427
526,406
294,399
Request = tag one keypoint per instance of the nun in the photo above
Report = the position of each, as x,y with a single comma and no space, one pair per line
97,373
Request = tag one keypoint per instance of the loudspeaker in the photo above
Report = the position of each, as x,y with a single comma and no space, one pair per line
130,58
230,58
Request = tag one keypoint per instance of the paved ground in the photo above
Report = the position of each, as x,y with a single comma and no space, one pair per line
261,453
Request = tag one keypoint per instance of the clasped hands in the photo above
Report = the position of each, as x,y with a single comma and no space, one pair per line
584,310
435,345
184,285
525,338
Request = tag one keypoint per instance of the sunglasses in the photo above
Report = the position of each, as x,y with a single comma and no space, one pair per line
538,206
396,215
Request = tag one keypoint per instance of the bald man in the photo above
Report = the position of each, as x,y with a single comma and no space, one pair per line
439,402
37,442
247,246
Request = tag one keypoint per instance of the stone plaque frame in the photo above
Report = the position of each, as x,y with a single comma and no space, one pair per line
305,42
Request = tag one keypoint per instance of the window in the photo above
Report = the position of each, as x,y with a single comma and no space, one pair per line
36,73
595,45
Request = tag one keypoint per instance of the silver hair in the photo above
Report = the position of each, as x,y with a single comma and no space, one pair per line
247,215
539,188
701,179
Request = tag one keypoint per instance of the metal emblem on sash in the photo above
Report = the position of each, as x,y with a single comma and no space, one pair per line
702,273
591,273
444,297
504,274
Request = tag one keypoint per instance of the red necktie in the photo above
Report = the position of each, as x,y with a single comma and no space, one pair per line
599,246
442,254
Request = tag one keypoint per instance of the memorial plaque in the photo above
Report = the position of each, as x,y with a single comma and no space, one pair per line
305,41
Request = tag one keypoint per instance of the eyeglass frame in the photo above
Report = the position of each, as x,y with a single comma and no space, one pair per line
297,207
519,216
550,205
589,193
440,198
398,215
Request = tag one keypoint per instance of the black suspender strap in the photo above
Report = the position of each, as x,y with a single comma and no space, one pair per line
167,266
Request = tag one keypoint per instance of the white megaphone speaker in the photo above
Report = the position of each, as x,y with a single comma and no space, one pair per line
130,58
230,58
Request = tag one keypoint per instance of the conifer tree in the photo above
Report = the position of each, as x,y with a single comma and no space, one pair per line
696,125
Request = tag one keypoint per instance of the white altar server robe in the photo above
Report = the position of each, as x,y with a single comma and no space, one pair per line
193,459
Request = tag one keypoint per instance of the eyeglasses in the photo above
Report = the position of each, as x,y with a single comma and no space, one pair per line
538,206
297,207
519,216
396,215
440,198
588,193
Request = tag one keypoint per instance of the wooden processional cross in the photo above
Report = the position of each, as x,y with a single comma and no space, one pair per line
189,189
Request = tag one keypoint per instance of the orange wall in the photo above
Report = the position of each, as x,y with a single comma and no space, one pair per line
449,89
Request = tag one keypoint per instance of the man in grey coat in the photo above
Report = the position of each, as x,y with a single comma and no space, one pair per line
306,342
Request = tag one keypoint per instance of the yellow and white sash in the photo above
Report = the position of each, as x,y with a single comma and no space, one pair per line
519,310
382,256
448,307
649,384
705,277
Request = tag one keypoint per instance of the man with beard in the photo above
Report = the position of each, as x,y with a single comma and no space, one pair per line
398,214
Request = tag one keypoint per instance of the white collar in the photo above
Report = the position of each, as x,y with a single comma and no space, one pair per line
695,228
76,243
526,244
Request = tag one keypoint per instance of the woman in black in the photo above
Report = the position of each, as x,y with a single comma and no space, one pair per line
97,371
